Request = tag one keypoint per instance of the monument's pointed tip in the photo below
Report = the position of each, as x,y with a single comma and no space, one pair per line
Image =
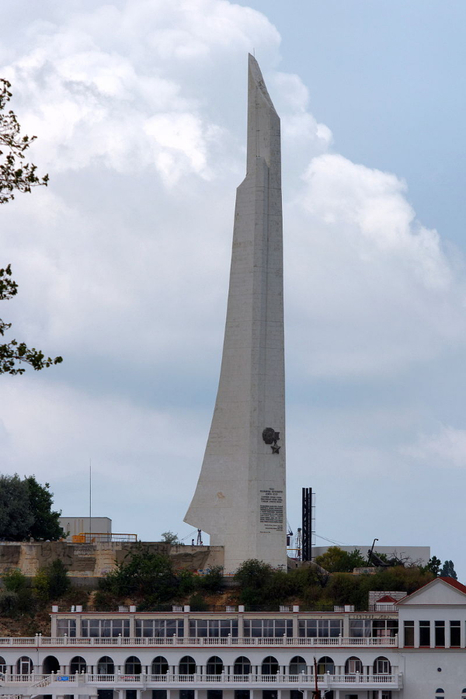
256,80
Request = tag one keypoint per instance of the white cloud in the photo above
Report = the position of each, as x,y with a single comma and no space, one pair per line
444,448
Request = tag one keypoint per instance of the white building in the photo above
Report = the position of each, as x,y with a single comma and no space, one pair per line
411,649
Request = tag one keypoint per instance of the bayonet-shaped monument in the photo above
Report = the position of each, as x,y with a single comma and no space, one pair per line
240,495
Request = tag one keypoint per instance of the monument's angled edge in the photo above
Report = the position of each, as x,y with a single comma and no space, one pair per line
240,495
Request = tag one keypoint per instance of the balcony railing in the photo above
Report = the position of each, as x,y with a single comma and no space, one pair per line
301,681
385,641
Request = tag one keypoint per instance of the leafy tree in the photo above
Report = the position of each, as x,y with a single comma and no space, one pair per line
144,574
335,560
211,581
254,577
170,538
448,570
16,516
15,176
26,510
46,524
433,566
14,580
52,582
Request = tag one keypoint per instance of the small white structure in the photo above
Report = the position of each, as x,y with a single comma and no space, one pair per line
240,495
88,525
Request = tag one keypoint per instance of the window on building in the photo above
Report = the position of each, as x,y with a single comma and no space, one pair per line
77,665
2,665
66,627
214,694
159,666
187,665
270,666
131,694
159,694
268,628
463,694
320,628
186,694
360,628
455,634
439,693
297,665
214,666
409,633
424,634
382,666
353,665
242,666
439,634
105,666
133,666
105,628
325,665
213,628
384,628
242,694
159,628
24,665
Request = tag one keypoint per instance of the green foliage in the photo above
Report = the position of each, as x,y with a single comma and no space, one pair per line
254,577
52,582
448,570
198,603
171,538
8,603
212,581
46,524
433,566
15,176
335,560
144,574
26,510
14,580
16,517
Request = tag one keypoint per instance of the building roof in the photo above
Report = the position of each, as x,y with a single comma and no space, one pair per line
449,581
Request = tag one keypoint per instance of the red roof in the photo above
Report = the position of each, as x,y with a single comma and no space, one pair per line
386,599
454,583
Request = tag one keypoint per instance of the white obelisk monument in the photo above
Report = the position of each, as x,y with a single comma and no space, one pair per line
240,495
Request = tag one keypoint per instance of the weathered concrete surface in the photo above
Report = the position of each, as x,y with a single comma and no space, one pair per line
95,560
240,495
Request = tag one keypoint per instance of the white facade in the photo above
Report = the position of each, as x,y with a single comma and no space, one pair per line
240,496
411,653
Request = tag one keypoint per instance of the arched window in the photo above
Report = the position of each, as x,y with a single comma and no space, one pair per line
2,665
24,665
382,666
242,666
270,665
105,666
463,694
353,665
439,693
159,665
325,665
214,666
50,665
77,665
133,666
297,665
187,665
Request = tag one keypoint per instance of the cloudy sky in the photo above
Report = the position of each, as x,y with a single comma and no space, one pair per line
140,111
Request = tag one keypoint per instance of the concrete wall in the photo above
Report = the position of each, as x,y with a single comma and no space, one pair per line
95,560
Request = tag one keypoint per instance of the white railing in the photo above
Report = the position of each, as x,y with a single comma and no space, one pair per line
35,681
179,641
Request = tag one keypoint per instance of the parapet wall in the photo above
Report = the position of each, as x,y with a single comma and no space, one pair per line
97,559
